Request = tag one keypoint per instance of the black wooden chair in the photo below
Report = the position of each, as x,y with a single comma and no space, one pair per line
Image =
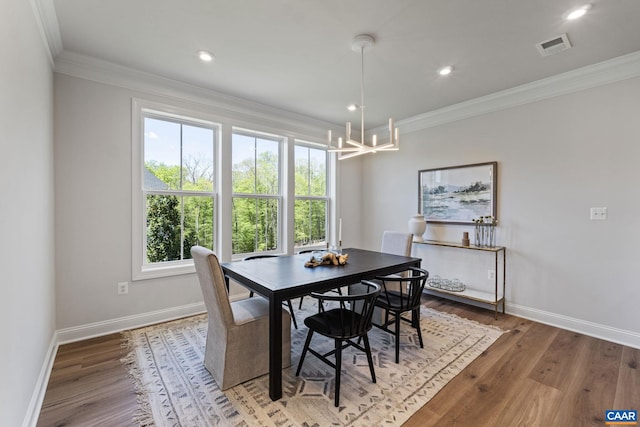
350,319
401,295
288,302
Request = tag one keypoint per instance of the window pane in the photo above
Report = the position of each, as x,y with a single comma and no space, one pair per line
310,222
161,154
243,161
198,223
302,223
267,167
255,225
318,221
197,158
163,228
318,172
302,170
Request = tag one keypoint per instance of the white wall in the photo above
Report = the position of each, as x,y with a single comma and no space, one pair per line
556,159
26,211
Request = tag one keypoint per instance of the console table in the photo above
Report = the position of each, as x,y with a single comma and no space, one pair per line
493,298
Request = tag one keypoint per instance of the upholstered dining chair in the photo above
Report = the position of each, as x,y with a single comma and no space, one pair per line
350,318
237,344
401,294
288,302
396,243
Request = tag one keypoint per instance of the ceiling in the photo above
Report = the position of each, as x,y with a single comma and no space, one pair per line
296,54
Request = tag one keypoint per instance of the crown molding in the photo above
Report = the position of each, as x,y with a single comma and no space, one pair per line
222,104
47,22
602,73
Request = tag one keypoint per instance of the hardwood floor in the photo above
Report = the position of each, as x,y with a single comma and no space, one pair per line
535,375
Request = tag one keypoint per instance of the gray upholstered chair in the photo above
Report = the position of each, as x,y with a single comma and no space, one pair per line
237,347
396,243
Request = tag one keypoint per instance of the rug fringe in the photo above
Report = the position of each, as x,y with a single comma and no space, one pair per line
143,416
496,328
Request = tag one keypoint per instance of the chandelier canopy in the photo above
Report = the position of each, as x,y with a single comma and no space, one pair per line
349,147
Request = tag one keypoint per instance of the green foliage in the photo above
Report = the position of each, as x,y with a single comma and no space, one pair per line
163,229
255,217
165,223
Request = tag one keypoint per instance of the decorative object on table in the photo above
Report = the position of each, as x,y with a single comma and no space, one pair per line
327,258
351,147
163,355
465,238
451,285
485,231
457,194
417,225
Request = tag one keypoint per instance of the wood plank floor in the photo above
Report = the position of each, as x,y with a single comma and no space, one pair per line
535,375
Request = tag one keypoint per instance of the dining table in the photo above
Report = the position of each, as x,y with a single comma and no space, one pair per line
285,277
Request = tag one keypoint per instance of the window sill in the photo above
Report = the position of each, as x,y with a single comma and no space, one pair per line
156,271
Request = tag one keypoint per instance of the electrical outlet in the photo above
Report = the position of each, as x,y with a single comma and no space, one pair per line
598,214
123,288
491,274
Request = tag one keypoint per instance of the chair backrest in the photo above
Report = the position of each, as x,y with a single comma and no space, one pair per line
213,286
396,243
353,311
404,292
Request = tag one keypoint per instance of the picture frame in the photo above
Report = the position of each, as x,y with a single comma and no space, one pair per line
458,194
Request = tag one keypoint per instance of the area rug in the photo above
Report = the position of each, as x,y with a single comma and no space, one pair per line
175,389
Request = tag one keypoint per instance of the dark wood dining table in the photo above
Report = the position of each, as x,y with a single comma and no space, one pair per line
286,277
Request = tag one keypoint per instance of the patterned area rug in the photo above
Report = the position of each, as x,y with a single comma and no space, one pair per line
175,389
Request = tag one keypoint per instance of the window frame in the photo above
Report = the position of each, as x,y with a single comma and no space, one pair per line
141,269
309,197
280,197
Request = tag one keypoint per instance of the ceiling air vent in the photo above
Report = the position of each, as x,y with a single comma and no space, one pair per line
555,45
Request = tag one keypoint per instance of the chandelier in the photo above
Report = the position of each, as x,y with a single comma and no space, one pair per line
350,147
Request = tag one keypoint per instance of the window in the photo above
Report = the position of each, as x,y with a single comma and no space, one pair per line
177,187
184,193
256,192
311,201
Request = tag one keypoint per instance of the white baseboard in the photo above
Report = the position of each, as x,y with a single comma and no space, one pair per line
92,330
619,336
596,330
35,405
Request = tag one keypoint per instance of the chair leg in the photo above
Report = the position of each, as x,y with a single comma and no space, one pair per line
251,294
304,351
293,316
417,326
300,305
365,337
397,319
338,370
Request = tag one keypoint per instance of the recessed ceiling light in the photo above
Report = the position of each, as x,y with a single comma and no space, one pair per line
445,71
352,107
205,56
578,13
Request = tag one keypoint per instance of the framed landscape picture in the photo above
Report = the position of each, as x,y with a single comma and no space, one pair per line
458,194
